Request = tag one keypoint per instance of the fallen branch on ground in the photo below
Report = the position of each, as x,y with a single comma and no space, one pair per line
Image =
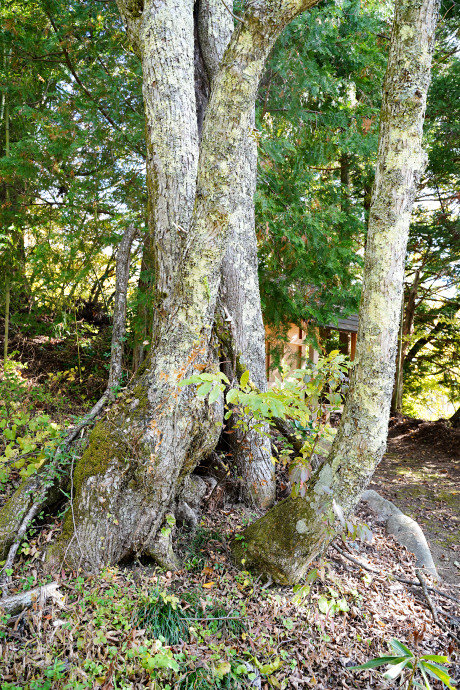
16,603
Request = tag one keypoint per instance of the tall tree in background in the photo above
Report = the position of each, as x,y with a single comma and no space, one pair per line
428,351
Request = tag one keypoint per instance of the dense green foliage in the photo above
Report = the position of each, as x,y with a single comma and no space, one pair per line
72,174
318,115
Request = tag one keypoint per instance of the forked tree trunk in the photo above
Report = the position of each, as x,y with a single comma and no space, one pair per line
129,474
290,536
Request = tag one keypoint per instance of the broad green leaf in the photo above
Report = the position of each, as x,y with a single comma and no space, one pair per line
397,669
186,382
268,669
244,379
323,605
380,661
232,396
215,394
222,669
204,389
436,671
400,647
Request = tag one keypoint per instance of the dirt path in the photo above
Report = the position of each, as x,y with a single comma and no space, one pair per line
420,473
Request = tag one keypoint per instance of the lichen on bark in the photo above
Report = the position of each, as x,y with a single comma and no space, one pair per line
361,437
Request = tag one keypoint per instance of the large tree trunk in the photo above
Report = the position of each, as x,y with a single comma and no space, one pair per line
129,474
290,536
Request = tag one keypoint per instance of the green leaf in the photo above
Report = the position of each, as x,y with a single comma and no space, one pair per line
436,657
425,677
323,605
400,647
187,382
204,389
232,396
222,669
397,669
436,671
268,669
244,379
215,394
380,661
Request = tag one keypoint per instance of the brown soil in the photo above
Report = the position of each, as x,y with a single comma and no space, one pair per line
420,473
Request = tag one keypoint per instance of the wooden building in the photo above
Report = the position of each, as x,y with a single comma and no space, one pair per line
296,351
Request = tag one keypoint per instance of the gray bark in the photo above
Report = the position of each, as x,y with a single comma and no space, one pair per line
139,454
119,312
239,297
290,536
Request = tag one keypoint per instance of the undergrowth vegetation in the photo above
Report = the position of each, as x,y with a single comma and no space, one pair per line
209,626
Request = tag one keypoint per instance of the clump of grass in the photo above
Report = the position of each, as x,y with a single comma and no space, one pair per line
201,679
162,616
227,622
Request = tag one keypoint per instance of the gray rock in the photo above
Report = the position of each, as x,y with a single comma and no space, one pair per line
188,506
403,528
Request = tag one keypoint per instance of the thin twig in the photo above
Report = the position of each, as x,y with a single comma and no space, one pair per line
423,584
15,545
235,16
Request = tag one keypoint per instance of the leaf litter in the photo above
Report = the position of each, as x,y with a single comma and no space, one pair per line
234,631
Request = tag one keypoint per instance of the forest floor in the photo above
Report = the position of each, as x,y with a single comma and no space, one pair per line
210,625
420,473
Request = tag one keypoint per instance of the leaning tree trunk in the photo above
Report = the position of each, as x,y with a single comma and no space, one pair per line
129,474
289,537
239,323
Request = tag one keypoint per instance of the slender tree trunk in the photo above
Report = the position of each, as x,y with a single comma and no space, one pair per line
138,455
119,312
407,325
241,312
291,535
7,320
143,323
243,342
7,277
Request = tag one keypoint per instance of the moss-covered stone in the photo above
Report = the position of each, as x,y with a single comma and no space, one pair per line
300,533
